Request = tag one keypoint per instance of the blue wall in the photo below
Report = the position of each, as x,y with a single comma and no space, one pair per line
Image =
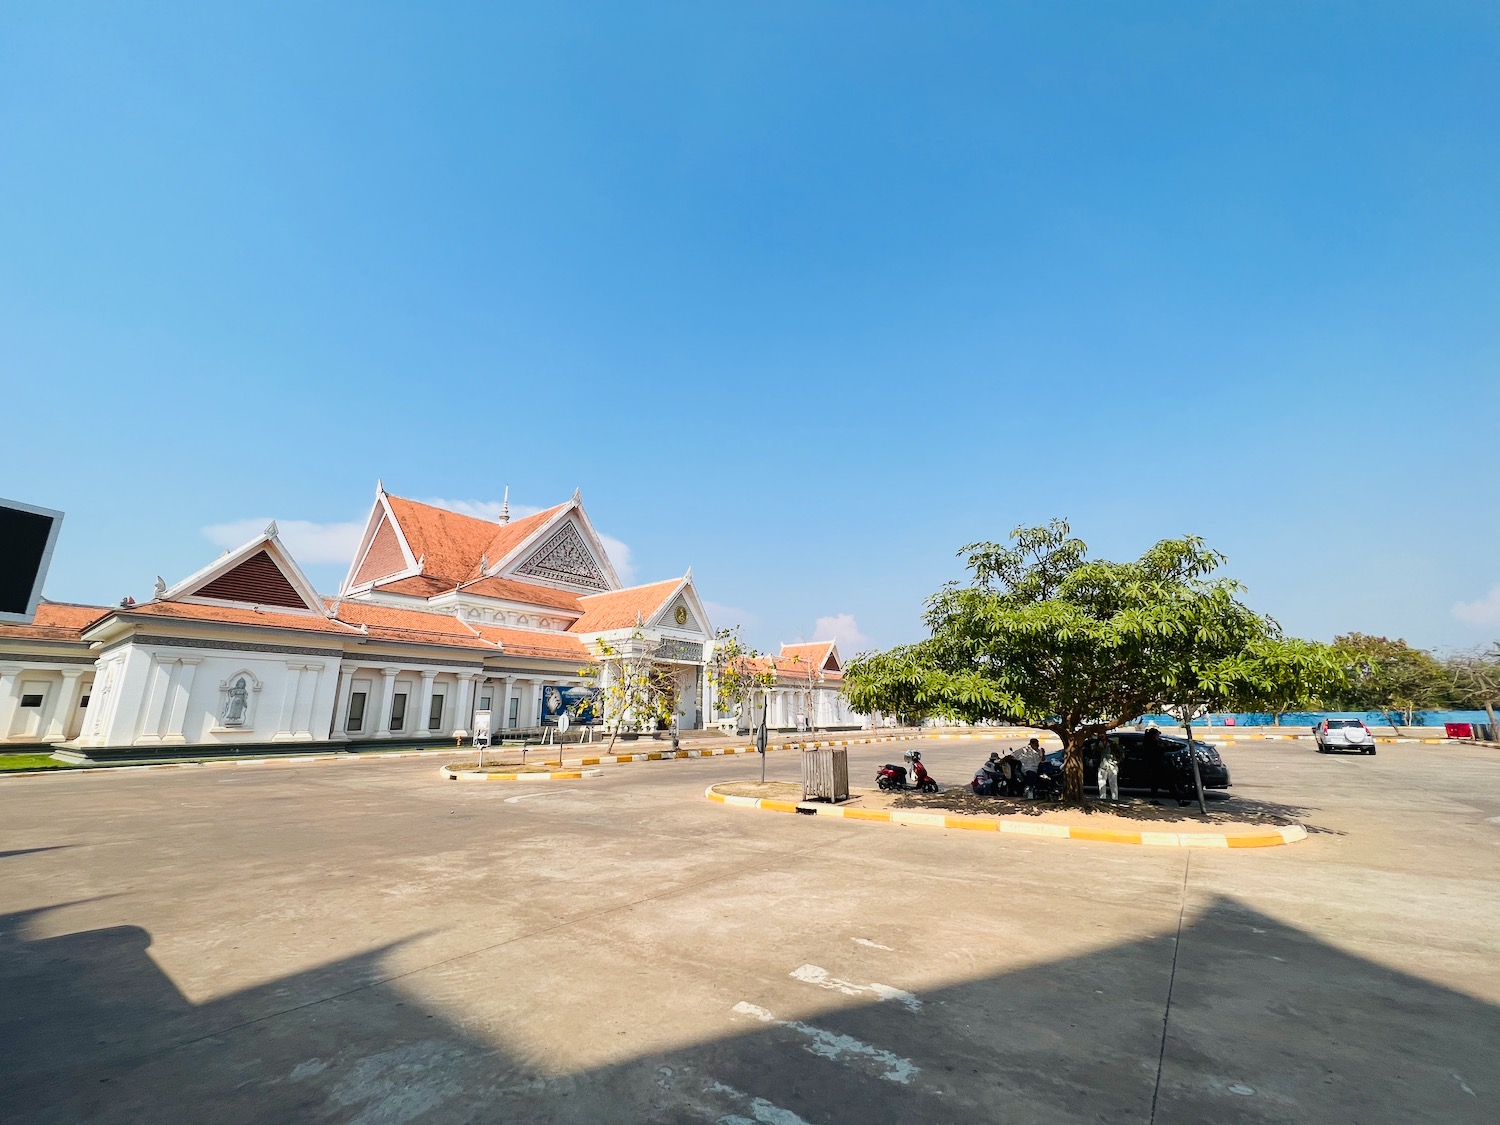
1308,719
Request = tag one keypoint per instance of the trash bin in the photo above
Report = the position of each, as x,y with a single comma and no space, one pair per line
1459,730
825,775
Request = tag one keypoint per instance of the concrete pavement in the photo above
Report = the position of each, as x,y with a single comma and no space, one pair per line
352,944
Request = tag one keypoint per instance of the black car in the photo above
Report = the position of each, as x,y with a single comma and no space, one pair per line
1137,771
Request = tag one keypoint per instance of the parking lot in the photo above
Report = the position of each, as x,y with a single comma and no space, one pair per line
365,942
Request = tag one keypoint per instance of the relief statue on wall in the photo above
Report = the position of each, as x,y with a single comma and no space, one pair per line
236,704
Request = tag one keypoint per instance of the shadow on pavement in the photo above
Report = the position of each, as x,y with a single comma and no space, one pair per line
1266,1024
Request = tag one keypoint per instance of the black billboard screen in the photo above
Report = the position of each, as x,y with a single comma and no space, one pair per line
26,538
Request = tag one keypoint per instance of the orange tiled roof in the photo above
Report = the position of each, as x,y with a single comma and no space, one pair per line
452,544
619,609
55,621
412,625
525,592
524,642
813,652
417,586
235,615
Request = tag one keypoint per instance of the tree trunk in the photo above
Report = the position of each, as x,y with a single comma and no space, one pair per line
1489,709
1072,767
1187,726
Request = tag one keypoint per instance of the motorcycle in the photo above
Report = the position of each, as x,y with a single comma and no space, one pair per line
1000,777
894,777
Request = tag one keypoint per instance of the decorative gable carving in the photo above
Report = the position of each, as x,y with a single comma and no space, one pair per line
565,559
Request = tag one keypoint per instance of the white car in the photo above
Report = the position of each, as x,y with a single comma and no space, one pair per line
1343,734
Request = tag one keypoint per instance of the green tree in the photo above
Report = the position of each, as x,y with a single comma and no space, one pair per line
1043,636
736,671
633,689
1475,680
1391,676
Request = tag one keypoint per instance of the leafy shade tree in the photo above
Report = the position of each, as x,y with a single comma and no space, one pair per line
1043,636
1298,674
1475,677
1207,651
736,672
1390,676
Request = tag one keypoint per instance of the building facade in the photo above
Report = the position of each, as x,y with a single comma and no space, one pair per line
440,615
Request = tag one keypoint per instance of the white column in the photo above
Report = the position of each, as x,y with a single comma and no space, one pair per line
462,715
156,700
504,722
341,704
284,724
177,710
387,697
67,703
425,695
10,687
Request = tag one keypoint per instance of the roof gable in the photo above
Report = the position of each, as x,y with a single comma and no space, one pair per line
259,573
621,609
256,581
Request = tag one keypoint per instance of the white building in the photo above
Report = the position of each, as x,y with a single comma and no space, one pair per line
441,614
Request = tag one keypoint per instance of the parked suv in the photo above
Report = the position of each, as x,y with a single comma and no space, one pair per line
1343,734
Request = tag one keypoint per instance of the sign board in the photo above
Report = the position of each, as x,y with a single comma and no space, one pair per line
481,728
27,536
562,723
580,704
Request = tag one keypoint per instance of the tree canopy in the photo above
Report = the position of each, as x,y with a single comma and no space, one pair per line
1044,636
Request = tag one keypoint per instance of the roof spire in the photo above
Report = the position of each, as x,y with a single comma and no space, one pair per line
505,506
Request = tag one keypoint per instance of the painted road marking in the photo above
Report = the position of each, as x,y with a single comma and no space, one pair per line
819,977
839,1048
529,796
762,1111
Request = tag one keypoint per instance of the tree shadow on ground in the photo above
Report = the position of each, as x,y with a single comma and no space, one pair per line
1223,809
1266,1024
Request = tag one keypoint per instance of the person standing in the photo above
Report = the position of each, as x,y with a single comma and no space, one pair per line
1109,771
1030,757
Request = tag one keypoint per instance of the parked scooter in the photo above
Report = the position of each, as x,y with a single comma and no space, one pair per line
894,777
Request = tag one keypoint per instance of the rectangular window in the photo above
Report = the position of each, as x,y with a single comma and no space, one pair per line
31,701
484,703
84,702
398,711
515,709
435,716
356,712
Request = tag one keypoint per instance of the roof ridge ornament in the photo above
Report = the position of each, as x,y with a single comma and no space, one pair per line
578,496
504,510
161,589
272,531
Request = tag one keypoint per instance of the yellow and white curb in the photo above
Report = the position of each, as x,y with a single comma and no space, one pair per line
1276,837
722,751
486,775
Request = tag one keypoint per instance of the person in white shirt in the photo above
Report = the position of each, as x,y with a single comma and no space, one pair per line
1109,771
1030,757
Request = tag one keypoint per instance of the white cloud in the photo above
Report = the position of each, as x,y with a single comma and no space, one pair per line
843,628
619,555
309,543
1485,611
728,616
619,552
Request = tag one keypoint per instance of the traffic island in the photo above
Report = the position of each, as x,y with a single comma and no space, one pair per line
469,771
1038,820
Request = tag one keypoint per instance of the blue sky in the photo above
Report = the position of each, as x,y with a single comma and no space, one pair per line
803,296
